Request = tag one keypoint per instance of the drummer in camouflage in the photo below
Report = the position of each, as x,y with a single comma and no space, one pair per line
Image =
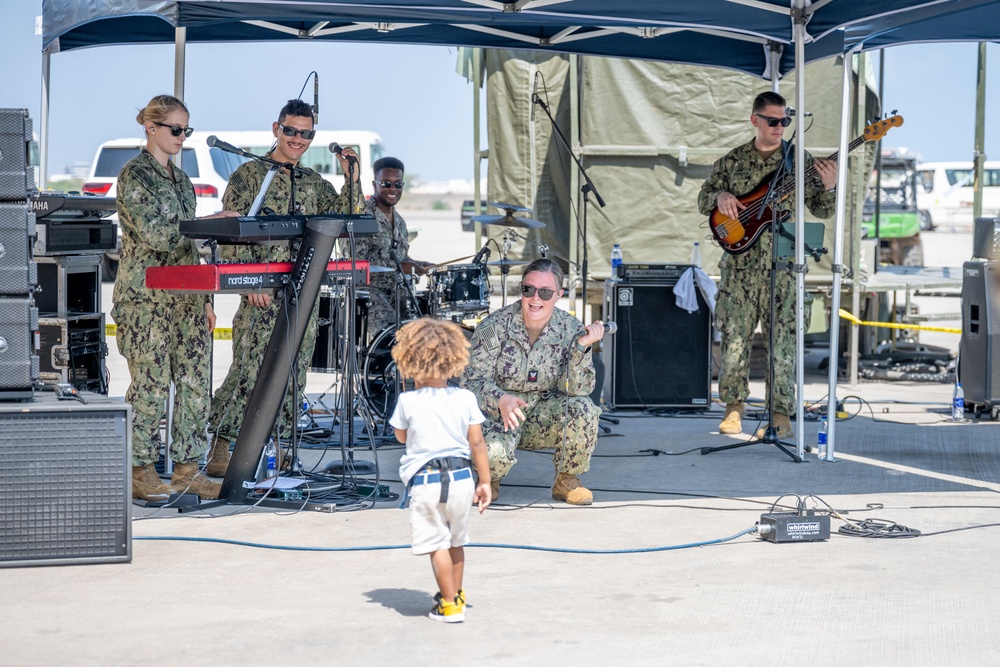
392,237
257,313
531,369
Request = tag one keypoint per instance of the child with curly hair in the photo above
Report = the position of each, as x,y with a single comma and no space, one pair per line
441,427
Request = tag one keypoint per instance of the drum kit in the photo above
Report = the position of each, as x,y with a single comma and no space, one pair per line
456,290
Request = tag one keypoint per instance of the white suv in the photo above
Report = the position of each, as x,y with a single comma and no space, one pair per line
208,168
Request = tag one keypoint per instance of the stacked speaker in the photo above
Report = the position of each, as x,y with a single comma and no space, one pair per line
18,271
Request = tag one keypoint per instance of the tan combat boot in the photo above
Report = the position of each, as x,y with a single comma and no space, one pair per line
732,422
494,489
218,459
147,485
782,427
187,479
568,489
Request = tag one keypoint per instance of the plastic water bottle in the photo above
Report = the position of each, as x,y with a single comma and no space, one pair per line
821,441
958,403
616,262
271,454
696,255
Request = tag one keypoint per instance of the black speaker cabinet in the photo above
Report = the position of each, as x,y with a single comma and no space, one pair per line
979,352
661,355
65,481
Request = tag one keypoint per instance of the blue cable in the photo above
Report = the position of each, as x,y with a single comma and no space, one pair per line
484,545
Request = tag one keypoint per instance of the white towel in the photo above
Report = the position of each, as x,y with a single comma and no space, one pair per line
684,294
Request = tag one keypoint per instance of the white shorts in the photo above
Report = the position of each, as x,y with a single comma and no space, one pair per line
435,525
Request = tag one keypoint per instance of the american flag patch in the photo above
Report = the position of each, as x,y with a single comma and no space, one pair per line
489,336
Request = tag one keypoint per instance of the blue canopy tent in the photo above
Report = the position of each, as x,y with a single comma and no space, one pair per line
765,38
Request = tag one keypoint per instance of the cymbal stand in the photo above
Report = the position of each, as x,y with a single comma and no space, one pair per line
508,239
543,249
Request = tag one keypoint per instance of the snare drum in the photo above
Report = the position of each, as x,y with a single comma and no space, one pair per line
460,288
328,355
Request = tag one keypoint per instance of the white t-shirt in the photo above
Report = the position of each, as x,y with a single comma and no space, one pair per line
436,421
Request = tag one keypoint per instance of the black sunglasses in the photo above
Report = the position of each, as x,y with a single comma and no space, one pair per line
544,293
775,122
175,130
291,132
390,184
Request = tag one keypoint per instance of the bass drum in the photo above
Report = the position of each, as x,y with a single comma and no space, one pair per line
378,372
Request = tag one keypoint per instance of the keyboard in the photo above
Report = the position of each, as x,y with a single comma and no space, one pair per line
236,278
246,229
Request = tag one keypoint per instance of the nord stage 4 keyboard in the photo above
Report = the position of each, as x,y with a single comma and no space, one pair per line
246,229
246,278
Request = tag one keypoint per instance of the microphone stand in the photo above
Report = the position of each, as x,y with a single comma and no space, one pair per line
586,189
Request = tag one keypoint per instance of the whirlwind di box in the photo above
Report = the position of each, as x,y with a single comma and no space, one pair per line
661,355
794,527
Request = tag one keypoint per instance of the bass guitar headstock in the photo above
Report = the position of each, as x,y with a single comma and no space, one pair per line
877,130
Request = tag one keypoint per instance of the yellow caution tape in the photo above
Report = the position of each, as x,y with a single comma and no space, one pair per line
893,325
220,333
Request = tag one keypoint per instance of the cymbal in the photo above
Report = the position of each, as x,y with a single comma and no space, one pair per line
508,221
507,262
509,207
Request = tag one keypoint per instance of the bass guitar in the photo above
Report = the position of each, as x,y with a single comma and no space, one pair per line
737,235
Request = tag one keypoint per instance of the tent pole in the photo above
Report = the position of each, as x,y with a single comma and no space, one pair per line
477,82
43,130
979,153
799,18
180,44
575,250
838,255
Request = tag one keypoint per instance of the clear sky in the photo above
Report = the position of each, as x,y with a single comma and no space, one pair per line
410,95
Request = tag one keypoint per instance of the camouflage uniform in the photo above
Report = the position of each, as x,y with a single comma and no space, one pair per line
560,413
745,285
164,337
375,249
252,326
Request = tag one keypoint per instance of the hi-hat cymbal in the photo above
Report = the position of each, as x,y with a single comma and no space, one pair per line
508,221
509,207
507,262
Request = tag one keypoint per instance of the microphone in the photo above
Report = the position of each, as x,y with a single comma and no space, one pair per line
790,111
338,149
482,255
610,327
534,97
214,142
315,98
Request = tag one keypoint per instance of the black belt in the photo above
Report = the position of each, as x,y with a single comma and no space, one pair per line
444,464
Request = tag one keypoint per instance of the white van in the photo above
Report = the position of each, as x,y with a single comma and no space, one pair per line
946,193
209,168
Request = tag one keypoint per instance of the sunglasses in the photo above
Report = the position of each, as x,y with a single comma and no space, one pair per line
775,122
291,132
544,293
390,184
176,130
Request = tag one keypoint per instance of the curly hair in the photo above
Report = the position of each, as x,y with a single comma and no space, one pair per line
428,349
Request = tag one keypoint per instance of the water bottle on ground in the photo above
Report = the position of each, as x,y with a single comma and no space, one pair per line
271,455
616,262
821,441
958,403
696,255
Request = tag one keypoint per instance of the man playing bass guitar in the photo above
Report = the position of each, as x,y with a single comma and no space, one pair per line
744,290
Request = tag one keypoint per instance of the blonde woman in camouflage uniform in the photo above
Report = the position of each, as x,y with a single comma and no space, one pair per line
531,369
744,296
164,337
257,313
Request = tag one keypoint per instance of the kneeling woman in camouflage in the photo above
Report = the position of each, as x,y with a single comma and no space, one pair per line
530,368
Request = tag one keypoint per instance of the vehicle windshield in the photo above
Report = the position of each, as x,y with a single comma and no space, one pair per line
113,158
